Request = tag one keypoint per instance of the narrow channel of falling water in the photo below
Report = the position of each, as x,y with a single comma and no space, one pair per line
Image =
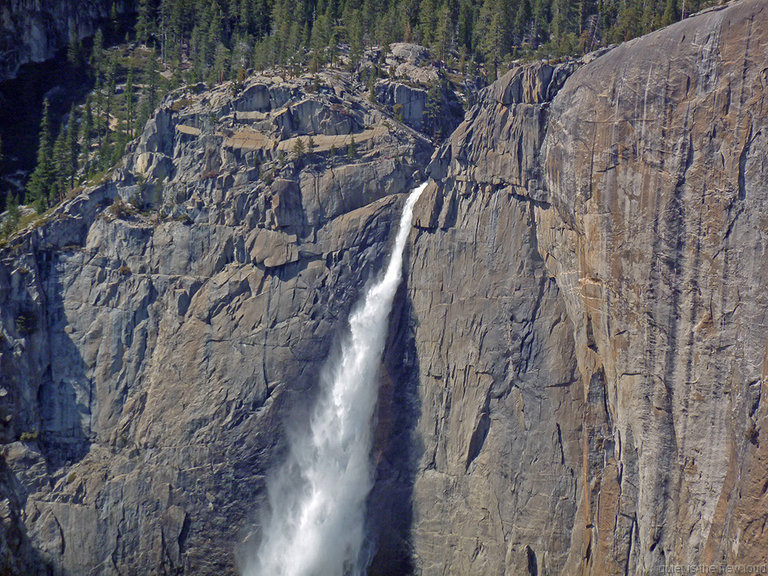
317,499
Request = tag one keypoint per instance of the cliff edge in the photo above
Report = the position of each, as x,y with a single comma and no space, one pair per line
574,373
623,197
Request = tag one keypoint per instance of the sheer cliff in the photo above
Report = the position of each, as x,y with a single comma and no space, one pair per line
574,373
616,219
33,31
160,328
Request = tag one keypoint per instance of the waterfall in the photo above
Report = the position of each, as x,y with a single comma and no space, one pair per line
316,525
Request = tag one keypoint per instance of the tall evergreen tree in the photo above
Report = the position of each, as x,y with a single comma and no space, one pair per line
86,133
72,148
43,177
74,51
60,165
145,24
670,13
97,53
150,78
130,104
110,80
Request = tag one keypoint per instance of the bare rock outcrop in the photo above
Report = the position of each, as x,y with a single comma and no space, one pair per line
33,31
655,168
632,185
576,360
501,403
418,92
159,329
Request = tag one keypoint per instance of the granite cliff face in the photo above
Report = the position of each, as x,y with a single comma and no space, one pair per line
656,173
615,218
160,328
574,377
34,30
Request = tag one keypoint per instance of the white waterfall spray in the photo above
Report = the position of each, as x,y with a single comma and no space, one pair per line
317,500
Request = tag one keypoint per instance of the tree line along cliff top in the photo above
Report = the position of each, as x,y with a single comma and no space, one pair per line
177,42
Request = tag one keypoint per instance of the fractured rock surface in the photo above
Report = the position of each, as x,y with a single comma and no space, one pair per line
576,360
160,329
33,31
638,180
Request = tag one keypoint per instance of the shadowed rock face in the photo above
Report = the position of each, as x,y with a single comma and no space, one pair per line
33,31
629,189
574,377
498,481
161,329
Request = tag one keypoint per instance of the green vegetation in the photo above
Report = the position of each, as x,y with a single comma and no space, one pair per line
26,322
189,41
29,436
41,182
92,137
299,150
218,39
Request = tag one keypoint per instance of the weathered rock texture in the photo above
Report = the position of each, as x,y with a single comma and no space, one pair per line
406,93
656,168
34,30
159,330
638,184
576,362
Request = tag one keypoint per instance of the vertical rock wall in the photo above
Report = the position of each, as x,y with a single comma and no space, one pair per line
160,332
34,30
499,478
577,362
656,168
628,190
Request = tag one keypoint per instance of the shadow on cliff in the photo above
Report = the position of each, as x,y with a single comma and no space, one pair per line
63,395
18,556
396,449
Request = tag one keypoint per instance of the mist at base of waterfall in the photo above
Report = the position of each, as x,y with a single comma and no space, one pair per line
315,525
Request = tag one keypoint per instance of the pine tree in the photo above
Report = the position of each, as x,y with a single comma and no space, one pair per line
72,151
74,51
522,20
628,23
427,20
220,64
86,126
110,74
12,219
97,53
298,149
465,24
354,30
176,30
434,110
106,151
492,34
443,39
42,179
151,96
670,13
352,149
98,120
60,165
130,104
215,32
145,24
197,53
561,19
